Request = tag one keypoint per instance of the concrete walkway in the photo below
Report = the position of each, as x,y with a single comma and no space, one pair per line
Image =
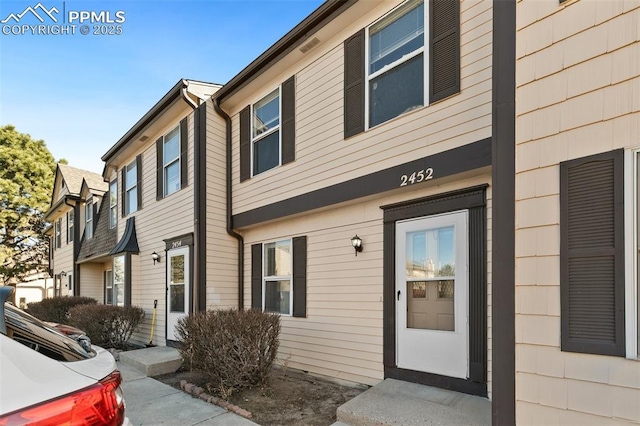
394,402
150,402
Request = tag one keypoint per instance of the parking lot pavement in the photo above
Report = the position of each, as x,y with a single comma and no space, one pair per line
150,402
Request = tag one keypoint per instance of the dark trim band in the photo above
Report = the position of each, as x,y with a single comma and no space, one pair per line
503,213
457,160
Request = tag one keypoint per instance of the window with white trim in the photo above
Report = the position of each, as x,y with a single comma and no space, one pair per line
113,204
108,287
396,68
118,281
265,133
70,218
277,277
171,161
131,188
56,231
88,214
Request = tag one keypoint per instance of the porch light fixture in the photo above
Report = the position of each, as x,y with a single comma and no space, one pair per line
156,257
356,242
63,274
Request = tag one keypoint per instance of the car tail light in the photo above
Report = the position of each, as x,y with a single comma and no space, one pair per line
99,404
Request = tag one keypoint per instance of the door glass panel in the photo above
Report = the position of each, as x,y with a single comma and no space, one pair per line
176,294
177,298
430,300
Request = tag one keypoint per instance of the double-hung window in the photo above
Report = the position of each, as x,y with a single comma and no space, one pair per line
88,214
171,161
407,59
265,133
396,63
268,131
113,204
277,277
118,285
70,218
56,230
131,188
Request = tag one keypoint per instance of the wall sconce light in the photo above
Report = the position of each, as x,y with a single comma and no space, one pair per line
356,242
63,274
156,257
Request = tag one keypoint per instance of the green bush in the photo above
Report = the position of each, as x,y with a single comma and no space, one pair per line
56,309
233,349
107,326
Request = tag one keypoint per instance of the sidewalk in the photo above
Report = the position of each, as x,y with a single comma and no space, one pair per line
150,402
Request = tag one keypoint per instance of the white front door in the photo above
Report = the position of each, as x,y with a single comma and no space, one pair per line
177,288
431,294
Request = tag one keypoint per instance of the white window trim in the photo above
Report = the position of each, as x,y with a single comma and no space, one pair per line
368,77
166,165
277,277
268,132
107,287
128,188
112,206
88,207
57,234
114,300
631,252
70,228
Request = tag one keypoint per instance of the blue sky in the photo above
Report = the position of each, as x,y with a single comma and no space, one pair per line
81,93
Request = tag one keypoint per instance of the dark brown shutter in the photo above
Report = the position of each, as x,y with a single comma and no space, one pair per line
159,169
139,178
245,144
184,143
300,277
123,190
289,120
444,59
256,276
354,82
592,254
67,237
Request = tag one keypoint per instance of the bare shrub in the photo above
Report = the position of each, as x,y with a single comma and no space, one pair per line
233,349
106,325
56,309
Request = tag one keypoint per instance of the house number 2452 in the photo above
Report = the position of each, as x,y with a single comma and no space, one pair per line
416,177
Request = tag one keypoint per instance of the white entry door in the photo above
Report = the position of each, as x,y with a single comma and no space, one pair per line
177,288
432,293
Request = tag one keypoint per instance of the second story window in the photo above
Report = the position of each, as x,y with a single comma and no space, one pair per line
171,161
131,188
56,230
268,131
265,133
88,214
113,204
395,71
70,218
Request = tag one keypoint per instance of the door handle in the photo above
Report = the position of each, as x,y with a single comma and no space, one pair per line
398,295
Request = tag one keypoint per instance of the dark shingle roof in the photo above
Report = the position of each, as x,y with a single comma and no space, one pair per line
73,178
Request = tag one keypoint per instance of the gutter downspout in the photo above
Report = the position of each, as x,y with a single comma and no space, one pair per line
196,201
186,97
230,230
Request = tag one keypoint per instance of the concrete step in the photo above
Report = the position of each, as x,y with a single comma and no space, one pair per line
153,361
394,402
339,424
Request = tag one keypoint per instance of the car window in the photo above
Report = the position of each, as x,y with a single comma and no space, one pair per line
34,333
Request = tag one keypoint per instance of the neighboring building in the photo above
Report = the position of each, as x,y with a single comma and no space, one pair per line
34,288
74,190
578,158
142,246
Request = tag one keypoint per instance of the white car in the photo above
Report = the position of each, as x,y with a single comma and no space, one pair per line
47,378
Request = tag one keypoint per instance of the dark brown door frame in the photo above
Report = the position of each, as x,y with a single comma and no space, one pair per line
473,200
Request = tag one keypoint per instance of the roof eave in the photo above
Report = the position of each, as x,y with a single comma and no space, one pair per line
300,33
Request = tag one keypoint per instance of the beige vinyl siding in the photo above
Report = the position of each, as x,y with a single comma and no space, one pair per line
324,158
156,221
63,258
342,335
92,280
578,93
222,249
